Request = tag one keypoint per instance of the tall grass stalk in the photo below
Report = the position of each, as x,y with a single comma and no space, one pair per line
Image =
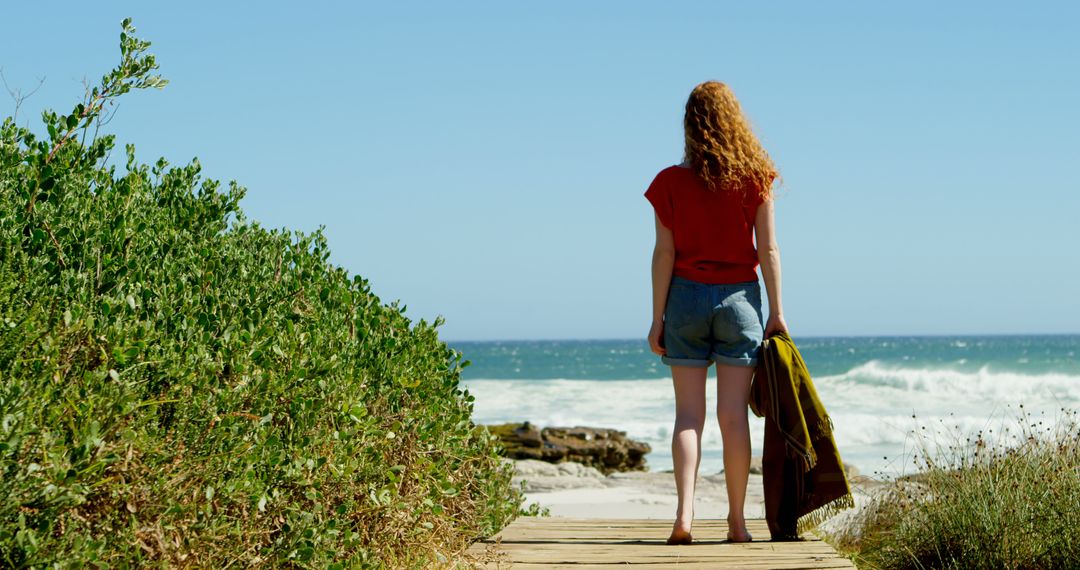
989,501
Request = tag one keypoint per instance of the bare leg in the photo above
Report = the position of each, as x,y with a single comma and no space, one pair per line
732,399
686,443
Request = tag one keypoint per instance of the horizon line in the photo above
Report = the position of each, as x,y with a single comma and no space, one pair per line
812,336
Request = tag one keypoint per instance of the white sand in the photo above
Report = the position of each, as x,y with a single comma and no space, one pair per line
573,490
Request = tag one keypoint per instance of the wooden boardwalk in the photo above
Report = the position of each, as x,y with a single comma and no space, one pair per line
557,542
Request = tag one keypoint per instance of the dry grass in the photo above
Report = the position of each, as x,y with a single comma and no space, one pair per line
993,501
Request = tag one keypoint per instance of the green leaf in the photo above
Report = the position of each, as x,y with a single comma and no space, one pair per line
225,367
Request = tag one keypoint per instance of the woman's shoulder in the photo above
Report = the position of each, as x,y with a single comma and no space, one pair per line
675,171
681,168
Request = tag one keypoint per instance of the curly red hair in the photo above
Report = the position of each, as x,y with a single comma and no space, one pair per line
720,145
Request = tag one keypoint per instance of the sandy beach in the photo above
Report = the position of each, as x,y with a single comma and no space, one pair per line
573,490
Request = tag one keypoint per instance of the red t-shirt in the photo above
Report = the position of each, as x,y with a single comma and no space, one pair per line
714,230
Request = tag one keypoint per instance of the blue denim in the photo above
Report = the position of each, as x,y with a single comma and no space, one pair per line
706,323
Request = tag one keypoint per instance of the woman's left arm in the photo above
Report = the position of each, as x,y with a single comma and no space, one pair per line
663,261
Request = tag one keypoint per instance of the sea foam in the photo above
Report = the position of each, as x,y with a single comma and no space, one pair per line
878,410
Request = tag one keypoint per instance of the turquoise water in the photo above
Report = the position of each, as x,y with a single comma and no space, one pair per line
871,386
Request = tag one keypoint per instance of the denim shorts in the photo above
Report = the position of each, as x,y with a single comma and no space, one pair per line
706,323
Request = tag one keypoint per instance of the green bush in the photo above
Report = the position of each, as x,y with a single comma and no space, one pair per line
976,504
182,387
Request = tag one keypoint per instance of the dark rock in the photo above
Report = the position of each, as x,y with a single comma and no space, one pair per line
605,449
529,435
755,465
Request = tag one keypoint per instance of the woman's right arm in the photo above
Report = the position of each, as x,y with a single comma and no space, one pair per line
663,263
769,258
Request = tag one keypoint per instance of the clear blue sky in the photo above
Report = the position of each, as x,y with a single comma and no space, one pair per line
485,161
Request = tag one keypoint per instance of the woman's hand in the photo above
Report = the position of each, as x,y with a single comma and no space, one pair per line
775,324
656,338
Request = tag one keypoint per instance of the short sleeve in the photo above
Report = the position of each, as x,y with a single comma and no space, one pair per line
659,194
755,199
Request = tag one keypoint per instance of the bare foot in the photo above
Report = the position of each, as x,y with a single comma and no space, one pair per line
680,530
680,536
738,532
741,536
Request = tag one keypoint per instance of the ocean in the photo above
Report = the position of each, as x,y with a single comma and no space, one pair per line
887,396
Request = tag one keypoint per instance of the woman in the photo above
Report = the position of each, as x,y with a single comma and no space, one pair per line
706,296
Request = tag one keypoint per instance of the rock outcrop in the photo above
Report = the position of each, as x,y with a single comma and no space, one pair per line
608,450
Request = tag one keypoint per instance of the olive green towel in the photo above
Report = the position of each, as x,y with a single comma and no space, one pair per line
802,472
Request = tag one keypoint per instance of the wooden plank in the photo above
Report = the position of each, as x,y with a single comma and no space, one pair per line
556,542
